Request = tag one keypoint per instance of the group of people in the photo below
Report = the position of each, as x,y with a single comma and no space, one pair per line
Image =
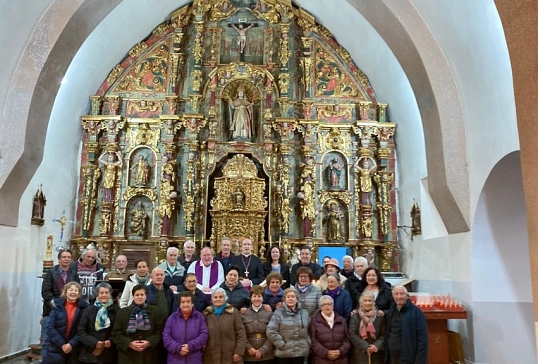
231,309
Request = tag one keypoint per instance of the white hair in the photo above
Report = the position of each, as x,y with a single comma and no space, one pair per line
347,257
220,290
188,241
325,297
171,249
361,259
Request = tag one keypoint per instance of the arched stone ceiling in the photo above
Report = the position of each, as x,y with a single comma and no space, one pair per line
396,21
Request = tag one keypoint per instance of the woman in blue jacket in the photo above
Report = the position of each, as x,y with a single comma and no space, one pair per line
62,328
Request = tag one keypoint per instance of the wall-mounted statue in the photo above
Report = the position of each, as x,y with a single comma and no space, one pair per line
365,177
142,171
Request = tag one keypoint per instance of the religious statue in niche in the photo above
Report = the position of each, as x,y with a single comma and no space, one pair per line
38,208
335,173
334,221
139,220
241,120
142,171
238,199
110,166
365,177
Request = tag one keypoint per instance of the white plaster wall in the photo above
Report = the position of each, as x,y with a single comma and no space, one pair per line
503,321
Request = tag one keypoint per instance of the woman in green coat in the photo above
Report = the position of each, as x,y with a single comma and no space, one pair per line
138,330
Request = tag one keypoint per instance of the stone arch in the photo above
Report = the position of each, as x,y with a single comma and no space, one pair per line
428,71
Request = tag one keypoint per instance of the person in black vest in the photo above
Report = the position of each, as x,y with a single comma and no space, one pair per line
305,257
250,266
225,255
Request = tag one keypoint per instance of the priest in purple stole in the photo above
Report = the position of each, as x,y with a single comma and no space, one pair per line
208,271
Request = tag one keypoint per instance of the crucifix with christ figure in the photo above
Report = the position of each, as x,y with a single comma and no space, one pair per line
241,29
62,221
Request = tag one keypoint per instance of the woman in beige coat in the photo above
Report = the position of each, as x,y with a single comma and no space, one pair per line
227,337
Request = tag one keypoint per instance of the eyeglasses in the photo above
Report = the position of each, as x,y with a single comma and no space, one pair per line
326,304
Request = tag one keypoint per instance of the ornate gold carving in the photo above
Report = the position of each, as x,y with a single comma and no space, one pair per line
387,257
92,125
92,147
285,52
335,139
367,226
96,105
140,191
383,153
161,28
383,179
171,102
114,102
113,75
284,126
239,205
324,196
346,57
306,65
196,79
195,103
308,128
138,49
194,122
142,135
221,9
170,124
284,82
198,41
267,11
335,111
91,174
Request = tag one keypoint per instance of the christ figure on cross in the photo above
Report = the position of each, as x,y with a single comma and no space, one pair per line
242,37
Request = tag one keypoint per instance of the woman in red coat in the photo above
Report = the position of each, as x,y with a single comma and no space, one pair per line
329,334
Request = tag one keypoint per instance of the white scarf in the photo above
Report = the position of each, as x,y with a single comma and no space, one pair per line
329,319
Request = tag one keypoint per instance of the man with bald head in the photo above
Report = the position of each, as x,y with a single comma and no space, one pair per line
208,271
158,294
189,254
250,266
121,271
407,331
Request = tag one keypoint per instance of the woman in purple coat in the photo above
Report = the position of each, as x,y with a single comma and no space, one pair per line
329,334
185,333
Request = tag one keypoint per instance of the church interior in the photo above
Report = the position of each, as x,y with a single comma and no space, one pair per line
397,130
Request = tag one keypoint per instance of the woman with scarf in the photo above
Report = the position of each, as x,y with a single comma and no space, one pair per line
288,330
138,330
227,337
273,292
274,263
238,295
343,304
255,319
330,337
141,276
95,328
62,327
367,332
309,294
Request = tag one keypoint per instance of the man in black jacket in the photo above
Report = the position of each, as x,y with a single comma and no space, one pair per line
305,256
53,284
225,255
189,284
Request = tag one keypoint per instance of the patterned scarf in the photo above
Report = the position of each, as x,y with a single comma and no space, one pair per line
139,319
141,280
102,321
303,289
366,328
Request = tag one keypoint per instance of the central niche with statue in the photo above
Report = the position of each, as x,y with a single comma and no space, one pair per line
239,119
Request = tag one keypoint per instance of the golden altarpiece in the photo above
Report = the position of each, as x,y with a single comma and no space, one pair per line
240,118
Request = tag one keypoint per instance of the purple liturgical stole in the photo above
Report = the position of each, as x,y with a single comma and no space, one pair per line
214,275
